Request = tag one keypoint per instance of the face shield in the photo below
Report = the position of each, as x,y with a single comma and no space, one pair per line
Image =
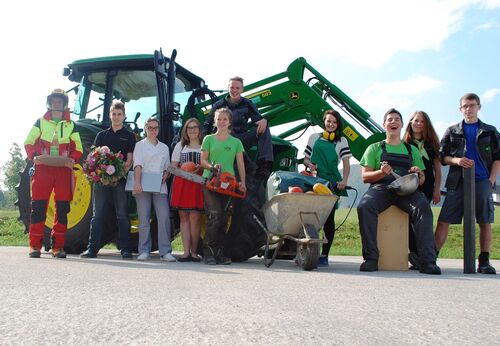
57,100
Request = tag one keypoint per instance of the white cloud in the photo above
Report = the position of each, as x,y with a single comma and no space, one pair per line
484,26
489,4
398,94
490,94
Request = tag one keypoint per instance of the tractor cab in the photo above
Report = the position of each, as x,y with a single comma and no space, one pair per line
149,85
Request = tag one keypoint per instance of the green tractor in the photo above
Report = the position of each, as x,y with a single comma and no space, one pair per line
155,85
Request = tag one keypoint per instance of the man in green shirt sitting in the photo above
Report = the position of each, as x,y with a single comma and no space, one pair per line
378,162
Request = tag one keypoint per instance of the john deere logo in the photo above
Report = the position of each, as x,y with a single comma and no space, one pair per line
294,95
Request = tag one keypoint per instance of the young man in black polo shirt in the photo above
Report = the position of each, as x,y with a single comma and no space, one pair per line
117,139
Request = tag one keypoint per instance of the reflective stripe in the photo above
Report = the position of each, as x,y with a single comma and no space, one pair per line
42,133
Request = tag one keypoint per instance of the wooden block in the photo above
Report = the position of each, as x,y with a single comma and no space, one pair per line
392,239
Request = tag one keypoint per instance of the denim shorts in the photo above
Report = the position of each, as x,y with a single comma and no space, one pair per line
453,205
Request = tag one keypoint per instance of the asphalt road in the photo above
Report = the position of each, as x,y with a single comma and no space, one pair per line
113,301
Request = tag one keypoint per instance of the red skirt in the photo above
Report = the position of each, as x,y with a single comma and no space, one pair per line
186,195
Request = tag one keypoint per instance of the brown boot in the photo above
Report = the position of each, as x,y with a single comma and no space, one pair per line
58,253
34,252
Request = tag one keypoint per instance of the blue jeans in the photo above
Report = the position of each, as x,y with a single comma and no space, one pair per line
100,200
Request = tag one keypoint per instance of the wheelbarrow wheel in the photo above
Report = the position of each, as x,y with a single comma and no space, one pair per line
308,254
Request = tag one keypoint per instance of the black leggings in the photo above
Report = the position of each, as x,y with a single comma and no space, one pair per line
329,229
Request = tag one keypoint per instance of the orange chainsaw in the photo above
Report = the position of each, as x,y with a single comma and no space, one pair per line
220,182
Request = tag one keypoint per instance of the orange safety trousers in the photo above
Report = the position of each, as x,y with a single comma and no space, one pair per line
45,180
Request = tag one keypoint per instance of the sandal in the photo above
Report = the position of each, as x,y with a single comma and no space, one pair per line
184,259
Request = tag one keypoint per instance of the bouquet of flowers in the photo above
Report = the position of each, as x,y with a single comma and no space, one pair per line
104,167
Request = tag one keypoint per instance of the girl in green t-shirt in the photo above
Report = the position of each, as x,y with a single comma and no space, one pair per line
219,149
323,153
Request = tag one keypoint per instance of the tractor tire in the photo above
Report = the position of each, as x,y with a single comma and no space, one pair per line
23,202
245,237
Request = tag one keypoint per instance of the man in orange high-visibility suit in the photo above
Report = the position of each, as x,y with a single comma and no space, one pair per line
54,134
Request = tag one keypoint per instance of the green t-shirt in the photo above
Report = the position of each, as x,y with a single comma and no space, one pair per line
222,152
371,157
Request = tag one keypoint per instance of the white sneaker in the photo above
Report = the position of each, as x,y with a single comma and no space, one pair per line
143,256
168,258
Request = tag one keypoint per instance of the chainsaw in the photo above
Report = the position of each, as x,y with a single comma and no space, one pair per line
220,182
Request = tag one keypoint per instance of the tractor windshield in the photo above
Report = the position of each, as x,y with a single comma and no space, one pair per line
136,88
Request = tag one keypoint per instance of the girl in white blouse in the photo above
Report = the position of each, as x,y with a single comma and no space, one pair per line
152,156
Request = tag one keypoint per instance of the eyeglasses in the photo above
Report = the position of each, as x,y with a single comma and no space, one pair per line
192,127
153,128
470,105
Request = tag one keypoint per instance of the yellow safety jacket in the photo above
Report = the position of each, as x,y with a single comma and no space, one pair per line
42,133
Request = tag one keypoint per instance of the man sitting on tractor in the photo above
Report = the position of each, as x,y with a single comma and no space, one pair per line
244,109
54,146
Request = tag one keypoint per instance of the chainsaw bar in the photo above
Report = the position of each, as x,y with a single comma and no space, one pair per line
214,183
186,175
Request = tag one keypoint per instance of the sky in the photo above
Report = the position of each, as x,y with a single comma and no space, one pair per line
411,55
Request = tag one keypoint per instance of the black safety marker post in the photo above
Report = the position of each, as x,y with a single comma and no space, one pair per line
469,221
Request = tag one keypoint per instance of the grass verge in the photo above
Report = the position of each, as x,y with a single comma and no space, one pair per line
347,239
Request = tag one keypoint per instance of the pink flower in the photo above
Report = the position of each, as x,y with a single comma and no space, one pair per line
110,170
104,167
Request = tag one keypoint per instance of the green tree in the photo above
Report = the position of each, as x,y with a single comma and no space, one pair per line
10,172
3,201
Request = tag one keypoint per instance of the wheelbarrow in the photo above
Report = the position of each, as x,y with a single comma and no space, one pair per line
297,217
